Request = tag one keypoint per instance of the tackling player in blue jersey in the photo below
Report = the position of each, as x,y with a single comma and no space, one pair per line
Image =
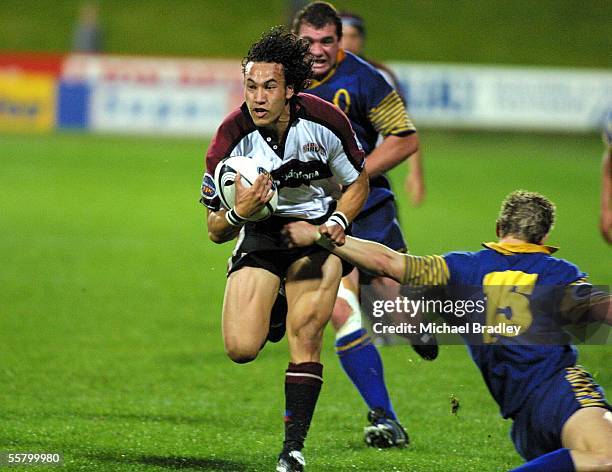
374,109
561,419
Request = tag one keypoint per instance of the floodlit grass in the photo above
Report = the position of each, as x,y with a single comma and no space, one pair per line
546,32
110,344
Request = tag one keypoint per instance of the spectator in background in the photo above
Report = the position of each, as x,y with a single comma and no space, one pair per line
292,7
606,182
353,40
87,33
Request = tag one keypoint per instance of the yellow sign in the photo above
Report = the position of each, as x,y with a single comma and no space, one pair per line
27,102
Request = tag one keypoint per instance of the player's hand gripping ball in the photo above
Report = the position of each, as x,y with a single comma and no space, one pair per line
225,176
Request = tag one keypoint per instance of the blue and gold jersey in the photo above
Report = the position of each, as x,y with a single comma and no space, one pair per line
371,104
514,278
524,286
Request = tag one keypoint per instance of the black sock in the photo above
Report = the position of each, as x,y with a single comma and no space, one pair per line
302,386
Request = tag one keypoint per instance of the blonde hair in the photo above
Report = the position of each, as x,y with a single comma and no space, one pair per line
526,215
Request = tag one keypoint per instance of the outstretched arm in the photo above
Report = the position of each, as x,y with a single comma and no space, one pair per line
372,257
585,302
367,255
601,310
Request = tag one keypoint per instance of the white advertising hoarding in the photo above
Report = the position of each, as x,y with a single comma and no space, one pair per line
506,97
157,95
192,96
159,109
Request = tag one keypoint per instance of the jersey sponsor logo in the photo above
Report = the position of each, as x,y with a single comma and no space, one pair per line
314,147
208,187
261,170
295,173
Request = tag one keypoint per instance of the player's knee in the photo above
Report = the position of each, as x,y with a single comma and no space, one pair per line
241,357
241,353
604,457
601,461
348,318
341,313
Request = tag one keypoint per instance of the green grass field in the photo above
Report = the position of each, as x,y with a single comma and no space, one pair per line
110,343
546,32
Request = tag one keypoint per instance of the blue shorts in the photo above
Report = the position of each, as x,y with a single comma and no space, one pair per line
380,224
538,424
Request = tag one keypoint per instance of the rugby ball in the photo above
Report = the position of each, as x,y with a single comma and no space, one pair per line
225,175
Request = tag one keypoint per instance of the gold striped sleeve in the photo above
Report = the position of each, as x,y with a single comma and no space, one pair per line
425,270
582,280
390,116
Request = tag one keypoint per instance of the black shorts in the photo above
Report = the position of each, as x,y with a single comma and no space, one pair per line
261,245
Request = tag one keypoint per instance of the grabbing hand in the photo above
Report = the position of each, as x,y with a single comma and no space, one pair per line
335,233
300,234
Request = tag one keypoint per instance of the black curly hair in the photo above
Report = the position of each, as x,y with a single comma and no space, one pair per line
282,47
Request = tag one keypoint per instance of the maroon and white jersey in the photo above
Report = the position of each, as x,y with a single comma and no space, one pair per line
319,154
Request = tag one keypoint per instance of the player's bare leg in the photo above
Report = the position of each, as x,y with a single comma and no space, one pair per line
587,445
311,289
311,286
588,436
249,295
